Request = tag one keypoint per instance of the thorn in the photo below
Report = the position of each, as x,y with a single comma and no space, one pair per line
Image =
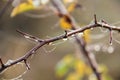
103,21
95,19
27,65
2,64
30,36
65,36
21,32
110,37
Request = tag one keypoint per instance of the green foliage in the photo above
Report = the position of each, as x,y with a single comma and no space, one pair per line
73,68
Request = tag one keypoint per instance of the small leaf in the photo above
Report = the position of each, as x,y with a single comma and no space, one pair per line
23,7
65,23
73,76
71,7
61,69
87,36
64,65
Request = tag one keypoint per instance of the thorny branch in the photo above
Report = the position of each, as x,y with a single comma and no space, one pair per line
47,41
61,11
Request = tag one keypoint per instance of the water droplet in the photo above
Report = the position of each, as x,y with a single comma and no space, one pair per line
26,36
65,39
9,62
110,43
80,34
110,49
91,28
97,47
50,43
36,40
33,51
73,35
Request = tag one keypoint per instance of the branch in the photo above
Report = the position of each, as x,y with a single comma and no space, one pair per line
47,41
5,7
61,12
82,44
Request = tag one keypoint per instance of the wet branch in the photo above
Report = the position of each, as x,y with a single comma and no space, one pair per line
61,11
42,42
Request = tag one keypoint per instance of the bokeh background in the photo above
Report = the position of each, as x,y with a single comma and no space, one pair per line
13,45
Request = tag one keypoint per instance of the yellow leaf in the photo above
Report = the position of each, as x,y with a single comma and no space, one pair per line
71,7
30,1
65,23
80,67
87,36
73,76
23,7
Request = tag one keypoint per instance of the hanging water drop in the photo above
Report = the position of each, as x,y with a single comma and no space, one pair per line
50,43
80,34
97,47
111,43
91,28
110,49
65,39
9,62
26,36
36,40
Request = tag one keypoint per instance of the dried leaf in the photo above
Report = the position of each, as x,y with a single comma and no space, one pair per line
23,7
65,23
87,36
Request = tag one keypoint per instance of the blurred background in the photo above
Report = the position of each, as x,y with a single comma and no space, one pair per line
13,45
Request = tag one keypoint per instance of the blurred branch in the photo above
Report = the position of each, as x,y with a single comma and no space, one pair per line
61,11
47,41
5,7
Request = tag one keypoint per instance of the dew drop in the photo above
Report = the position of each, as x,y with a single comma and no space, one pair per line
91,28
65,39
80,34
73,35
50,43
97,47
36,40
110,49
110,43
26,36
33,51
9,62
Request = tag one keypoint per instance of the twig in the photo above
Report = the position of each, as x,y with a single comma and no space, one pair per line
2,64
46,41
62,12
27,36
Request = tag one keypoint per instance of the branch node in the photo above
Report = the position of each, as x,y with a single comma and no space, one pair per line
103,21
95,19
65,36
27,65
2,64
